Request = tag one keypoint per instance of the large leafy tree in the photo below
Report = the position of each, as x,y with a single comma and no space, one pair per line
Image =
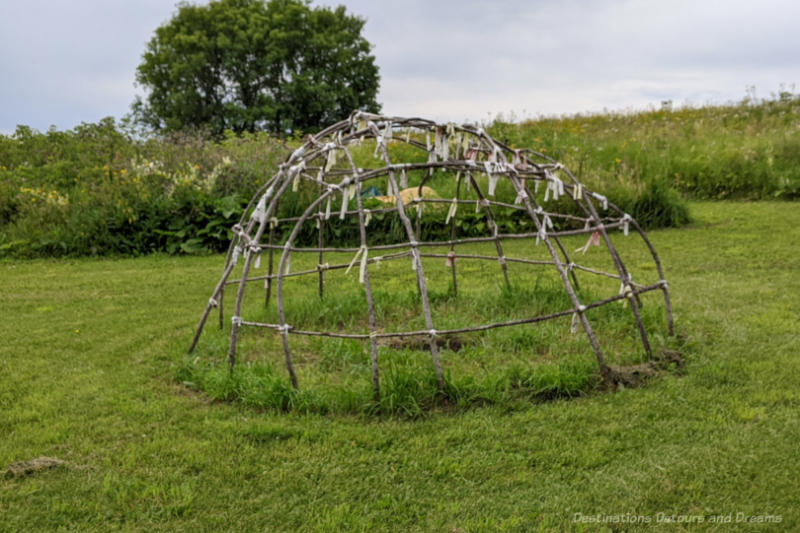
247,65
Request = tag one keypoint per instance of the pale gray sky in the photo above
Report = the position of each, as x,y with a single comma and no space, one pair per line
65,62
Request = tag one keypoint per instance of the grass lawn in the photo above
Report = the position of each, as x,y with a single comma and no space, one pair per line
87,375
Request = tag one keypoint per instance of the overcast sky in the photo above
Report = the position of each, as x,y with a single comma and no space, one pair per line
63,62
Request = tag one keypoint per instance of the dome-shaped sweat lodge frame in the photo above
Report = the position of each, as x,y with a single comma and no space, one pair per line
326,161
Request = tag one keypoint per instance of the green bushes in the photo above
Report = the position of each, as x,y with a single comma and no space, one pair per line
101,189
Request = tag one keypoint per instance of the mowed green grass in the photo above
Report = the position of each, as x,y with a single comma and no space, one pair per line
87,374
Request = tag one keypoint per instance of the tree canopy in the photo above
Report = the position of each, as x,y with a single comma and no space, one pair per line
249,65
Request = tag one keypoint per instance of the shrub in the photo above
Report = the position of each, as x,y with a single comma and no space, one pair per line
98,190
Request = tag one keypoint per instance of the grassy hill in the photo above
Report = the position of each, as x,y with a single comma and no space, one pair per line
746,150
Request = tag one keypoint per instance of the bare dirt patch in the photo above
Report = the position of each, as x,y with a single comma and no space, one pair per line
638,375
26,468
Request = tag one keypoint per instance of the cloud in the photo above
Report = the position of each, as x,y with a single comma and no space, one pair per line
566,57
67,62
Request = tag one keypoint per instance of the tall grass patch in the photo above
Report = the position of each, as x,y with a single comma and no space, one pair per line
749,149
504,365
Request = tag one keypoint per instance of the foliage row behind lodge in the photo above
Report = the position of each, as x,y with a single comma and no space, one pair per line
97,190
251,65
